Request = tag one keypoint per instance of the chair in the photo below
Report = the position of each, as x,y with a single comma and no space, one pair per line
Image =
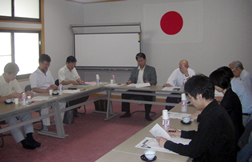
28,88
244,139
2,134
246,148
140,98
57,84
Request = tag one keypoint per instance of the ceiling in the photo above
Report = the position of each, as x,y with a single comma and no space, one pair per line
92,1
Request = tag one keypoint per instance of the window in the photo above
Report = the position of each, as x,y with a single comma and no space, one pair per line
23,48
21,42
20,10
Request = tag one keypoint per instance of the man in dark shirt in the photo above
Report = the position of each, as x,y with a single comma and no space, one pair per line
215,138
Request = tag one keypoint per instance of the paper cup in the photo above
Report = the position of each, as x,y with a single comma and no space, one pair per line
16,100
112,81
183,96
165,114
50,91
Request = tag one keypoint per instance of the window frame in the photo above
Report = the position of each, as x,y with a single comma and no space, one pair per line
26,21
23,19
23,76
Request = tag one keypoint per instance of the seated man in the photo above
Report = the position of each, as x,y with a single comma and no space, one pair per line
240,72
214,139
69,75
41,82
9,88
141,74
177,79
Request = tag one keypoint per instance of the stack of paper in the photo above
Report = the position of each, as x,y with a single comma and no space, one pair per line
139,85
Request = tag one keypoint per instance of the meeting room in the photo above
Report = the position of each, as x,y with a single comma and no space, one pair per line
125,80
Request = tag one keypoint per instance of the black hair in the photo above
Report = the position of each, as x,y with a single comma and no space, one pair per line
11,68
221,77
71,59
200,84
139,55
44,57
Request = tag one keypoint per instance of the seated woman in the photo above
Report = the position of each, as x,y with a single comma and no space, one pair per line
221,79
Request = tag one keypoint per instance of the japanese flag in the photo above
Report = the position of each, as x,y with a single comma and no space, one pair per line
180,22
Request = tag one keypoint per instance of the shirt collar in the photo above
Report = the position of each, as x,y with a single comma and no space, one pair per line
143,67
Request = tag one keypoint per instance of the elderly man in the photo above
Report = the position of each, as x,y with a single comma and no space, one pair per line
177,79
141,74
41,82
239,71
9,88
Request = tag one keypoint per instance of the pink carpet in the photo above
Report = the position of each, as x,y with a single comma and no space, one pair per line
90,137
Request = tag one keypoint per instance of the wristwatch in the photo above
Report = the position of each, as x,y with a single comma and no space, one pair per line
187,75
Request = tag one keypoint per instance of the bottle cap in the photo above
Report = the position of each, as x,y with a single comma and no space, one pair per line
165,114
183,96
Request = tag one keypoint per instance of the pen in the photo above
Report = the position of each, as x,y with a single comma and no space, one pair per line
171,130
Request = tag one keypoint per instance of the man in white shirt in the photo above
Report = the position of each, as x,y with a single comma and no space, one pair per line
177,79
41,82
240,72
9,89
69,75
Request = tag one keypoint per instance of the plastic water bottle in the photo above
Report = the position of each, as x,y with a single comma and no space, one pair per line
165,120
113,77
97,80
23,99
184,103
60,89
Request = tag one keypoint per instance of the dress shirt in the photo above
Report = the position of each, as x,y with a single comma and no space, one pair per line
214,139
244,94
177,78
40,80
9,88
65,74
246,77
140,75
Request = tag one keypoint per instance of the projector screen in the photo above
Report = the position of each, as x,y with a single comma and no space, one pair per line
107,50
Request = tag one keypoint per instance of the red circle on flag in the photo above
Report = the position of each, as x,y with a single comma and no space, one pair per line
171,23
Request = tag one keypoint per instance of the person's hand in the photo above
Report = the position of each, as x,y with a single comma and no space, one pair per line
129,82
74,82
82,82
29,93
167,85
16,95
161,141
184,70
174,132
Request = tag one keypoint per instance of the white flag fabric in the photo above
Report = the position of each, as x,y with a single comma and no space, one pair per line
192,27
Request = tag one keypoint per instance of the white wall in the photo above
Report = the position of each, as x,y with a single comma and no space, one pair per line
59,14
227,31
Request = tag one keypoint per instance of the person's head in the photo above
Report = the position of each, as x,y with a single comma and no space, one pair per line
44,62
199,88
10,71
236,67
221,78
141,59
71,62
183,64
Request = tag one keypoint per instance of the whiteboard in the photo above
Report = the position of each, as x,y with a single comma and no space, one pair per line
108,50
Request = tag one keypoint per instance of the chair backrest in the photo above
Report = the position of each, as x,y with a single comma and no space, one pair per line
28,88
245,136
57,82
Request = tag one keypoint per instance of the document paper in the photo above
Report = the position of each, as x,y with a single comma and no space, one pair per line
152,143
